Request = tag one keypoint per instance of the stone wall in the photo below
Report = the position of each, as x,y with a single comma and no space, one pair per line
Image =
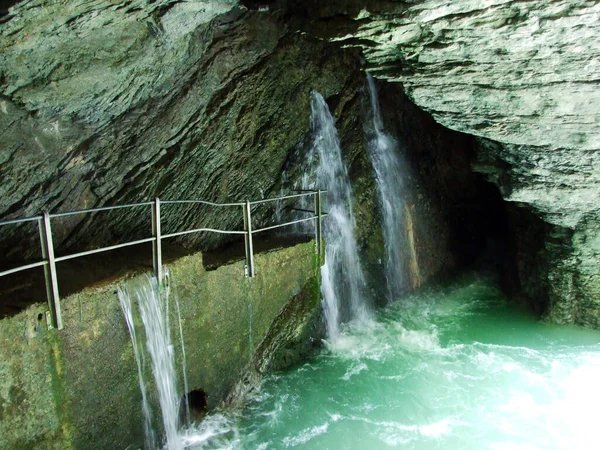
78,388
112,102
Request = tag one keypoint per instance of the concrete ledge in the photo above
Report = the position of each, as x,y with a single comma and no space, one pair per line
78,388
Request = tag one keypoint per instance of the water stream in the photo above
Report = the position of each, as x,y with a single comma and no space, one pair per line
125,300
153,304
456,368
459,368
385,157
343,282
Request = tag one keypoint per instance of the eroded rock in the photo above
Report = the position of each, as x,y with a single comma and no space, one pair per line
522,76
110,103
106,103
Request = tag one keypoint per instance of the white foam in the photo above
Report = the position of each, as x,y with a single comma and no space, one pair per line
354,370
212,427
418,339
513,446
305,435
366,346
436,429
336,417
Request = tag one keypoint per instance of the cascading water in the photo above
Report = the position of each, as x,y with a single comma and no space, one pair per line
385,158
153,306
126,306
455,368
439,370
279,204
343,281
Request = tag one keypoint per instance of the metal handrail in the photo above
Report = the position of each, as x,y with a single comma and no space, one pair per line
197,230
274,199
103,249
104,208
15,221
287,224
49,260
202,202
21,268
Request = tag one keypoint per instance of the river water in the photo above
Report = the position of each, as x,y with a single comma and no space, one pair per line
458,368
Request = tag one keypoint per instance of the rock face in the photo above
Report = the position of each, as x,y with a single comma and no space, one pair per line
79,388
113,102
522,76
109,103
519,72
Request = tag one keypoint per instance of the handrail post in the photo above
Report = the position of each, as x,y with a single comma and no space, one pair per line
50,271
157,244
249,272
318,225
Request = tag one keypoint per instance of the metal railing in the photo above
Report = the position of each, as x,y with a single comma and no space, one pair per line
49,260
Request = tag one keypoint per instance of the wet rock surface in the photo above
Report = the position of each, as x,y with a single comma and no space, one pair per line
520,72
79,388
105,103
521,76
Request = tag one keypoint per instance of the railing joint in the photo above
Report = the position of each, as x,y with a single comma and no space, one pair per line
249,270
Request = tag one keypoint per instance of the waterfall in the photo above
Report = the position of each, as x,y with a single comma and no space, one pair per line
153,306
126,306
385,158
343,281
279,204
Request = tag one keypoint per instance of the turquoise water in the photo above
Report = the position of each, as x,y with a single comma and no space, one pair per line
452,369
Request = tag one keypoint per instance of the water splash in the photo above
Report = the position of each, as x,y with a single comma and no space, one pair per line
385,158
438,370
342,277
216,431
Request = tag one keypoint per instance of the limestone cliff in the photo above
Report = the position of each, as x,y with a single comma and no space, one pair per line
521,76
106,102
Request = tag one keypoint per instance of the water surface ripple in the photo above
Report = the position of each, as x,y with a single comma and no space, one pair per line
452,369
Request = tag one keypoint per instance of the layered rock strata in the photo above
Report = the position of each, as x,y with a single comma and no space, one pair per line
108,103
522,76
112,102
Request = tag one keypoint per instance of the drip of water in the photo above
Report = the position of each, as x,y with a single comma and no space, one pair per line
307,181
183,358
342,277
155,317
385,158
153,304
280,203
